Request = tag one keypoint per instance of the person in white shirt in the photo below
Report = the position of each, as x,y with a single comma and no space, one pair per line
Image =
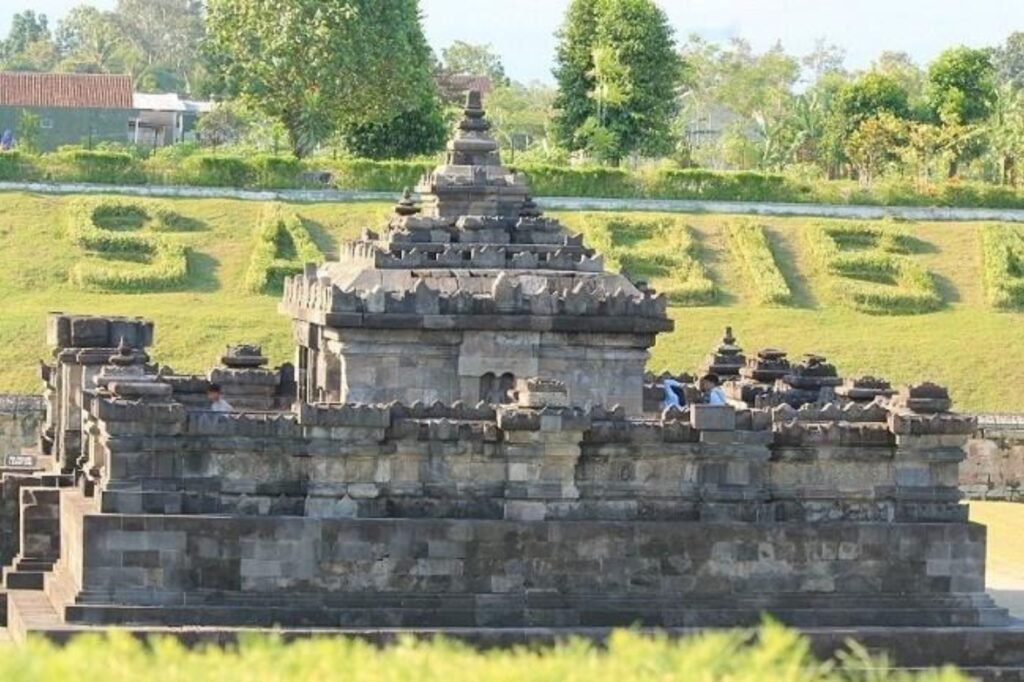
712,391
217,402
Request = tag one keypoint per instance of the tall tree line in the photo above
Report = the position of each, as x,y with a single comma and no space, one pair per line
156,41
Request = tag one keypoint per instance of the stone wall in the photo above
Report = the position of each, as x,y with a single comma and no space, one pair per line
20,419
524,463
11,486
994,468
471,572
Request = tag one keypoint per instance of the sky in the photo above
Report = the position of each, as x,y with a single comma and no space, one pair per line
522,31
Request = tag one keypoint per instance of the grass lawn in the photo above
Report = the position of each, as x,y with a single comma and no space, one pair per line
966,345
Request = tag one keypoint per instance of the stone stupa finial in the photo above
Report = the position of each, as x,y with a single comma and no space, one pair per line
124,356
474,116
529,209
729,339
472,144
406,206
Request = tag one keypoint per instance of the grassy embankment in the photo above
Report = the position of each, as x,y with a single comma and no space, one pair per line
966,345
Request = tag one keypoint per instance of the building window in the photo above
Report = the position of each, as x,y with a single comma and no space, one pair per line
46,124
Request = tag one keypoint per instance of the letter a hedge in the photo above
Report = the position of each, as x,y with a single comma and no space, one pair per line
282,247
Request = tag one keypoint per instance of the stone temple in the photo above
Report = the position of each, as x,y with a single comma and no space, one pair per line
467,442
459,299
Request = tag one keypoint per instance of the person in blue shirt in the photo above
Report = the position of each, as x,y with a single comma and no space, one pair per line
711,389
7,140
672,397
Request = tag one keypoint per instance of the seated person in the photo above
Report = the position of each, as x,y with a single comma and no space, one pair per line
216,396
710,387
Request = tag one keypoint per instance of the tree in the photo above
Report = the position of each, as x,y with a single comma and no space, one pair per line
635,41
574,61
306,62
870,96
415,132
1009,61
91,41
222,125
961,85
1006,131
167,34
961,93
477,60
748,97
901,68
38,56
824,60
26,28
924,143
873,143
520,114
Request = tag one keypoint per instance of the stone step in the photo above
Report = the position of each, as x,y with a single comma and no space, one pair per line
40,565
529,599
25,580
30,611
515,616
60,587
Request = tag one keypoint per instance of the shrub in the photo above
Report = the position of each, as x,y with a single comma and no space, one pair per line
872,273
661,251
16,166
770,653
128,255
218,170
282,248
277,171
73,164
589,181
1002,250
378,176
749,245
696,183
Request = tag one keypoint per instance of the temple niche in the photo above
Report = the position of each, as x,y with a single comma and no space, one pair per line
458,297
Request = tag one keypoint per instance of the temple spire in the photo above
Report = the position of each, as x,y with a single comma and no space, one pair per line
473,144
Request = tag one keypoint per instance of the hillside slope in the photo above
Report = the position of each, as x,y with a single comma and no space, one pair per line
966,345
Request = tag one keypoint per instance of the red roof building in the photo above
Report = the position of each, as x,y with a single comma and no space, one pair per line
66,90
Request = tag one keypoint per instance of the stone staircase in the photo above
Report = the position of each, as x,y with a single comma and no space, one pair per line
40,537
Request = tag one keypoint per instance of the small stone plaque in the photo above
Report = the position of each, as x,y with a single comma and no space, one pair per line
20,462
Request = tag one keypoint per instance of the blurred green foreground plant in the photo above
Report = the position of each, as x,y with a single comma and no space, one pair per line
772,653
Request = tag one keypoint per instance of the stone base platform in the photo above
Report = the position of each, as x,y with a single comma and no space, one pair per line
534,609
988,654
301,572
